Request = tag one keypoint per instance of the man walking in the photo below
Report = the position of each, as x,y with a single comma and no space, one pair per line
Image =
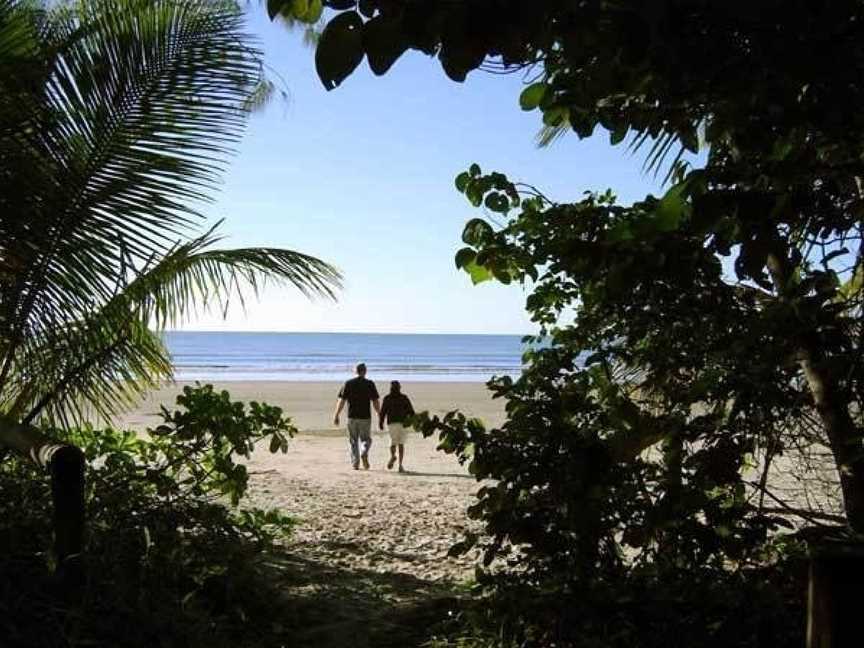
358,392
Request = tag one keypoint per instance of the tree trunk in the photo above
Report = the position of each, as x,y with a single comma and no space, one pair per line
843,435
834,595
66,466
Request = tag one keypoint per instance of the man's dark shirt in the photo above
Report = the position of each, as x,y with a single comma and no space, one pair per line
359,392
396,408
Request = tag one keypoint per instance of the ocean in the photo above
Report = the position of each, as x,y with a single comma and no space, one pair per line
332,356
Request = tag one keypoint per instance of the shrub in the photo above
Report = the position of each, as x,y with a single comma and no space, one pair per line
172,559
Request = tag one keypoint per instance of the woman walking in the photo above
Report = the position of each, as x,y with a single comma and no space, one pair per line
395,409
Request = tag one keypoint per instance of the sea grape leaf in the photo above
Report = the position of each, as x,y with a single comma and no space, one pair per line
383,42
274,7
476,231
478,273
462,181
340,49
671,209
313,13
464,257
299,8
531,96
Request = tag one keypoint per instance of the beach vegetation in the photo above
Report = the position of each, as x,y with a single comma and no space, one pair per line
117,120
692,423
175,557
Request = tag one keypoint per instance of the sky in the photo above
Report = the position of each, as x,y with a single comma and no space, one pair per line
362,177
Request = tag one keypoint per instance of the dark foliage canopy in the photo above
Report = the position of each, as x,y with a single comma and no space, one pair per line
697,385
752,262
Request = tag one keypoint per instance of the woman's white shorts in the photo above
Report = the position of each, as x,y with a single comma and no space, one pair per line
398,433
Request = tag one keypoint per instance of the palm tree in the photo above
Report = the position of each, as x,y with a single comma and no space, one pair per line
116,120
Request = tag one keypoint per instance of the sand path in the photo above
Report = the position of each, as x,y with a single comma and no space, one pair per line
367,563
374,519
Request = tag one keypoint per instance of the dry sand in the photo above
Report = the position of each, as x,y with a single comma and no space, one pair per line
376,520
310,404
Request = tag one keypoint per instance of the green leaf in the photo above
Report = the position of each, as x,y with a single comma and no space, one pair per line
620,231
460,55
465,256
478,273
853,285
671,209
384,42
556,116
340,49
313,13
274,7
462,181
497,202
502,275
298,9
474,170
531,96
690,140
275,443
617,136
476,232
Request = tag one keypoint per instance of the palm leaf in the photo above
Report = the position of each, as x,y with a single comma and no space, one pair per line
661,146
104,363
194,277
100,367
548,135
142,103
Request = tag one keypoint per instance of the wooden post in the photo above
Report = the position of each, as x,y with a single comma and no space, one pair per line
67,489
835,618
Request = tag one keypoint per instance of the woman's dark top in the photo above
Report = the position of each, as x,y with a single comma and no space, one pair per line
396,408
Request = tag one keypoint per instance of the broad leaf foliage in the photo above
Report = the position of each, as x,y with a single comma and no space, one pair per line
696,388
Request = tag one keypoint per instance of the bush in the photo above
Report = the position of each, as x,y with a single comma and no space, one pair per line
172,560
646,609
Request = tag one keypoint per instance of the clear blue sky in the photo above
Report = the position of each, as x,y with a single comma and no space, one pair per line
362,177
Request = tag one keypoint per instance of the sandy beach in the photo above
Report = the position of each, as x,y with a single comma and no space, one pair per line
310,404
376,520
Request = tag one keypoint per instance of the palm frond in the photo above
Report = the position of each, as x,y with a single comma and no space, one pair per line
105,362
99,367
124,116
20,61
260,96
662,145
195,277
142,104
548,135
